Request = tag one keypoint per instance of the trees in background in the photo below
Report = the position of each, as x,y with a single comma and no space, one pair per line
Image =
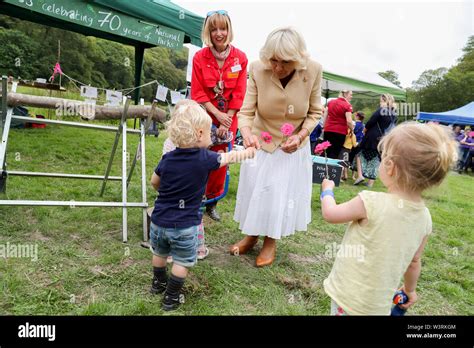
29,50
446,89
436,90
391,76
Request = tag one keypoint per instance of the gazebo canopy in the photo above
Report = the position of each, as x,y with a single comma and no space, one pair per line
461,116
142,24
363,84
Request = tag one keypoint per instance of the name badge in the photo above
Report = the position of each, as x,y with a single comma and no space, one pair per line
236,68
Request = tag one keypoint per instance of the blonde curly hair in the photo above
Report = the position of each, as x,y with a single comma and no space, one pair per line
186,119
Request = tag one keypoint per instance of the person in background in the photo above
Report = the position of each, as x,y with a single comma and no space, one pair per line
375,129
457,131
219,80
466,143
359,133
359,126
471,156
339,118
316,133
348,145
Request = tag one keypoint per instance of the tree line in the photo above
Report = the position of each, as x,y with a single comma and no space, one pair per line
29,51
442,89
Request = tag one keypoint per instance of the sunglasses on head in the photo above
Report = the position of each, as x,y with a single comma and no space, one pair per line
221,12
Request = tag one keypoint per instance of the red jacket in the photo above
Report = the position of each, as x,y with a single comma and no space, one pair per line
206,75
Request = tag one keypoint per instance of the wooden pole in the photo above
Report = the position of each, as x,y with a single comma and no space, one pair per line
68,107
59,56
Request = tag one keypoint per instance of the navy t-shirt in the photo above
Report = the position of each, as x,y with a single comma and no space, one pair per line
183,177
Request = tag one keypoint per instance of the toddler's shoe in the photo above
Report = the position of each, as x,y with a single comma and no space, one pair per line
157,287
172,303
202,253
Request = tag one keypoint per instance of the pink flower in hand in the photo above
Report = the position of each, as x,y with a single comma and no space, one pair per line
320,148
287,129
267,138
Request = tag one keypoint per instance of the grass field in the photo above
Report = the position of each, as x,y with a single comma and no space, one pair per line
84,268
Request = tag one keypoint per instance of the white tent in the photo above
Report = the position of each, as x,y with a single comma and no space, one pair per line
362,82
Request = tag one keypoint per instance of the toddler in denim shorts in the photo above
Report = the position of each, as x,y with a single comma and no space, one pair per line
180,179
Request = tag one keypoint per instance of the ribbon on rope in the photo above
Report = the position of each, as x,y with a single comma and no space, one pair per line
57,70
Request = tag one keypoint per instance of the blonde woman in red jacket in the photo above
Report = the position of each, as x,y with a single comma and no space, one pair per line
219,81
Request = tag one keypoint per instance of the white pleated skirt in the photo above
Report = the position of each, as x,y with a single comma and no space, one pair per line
274,193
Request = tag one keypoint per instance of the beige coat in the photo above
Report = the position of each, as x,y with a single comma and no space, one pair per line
267,105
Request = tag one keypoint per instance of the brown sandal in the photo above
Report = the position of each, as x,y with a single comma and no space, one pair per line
244,245
267,254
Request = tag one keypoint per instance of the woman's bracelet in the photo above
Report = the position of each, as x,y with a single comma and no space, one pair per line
301,137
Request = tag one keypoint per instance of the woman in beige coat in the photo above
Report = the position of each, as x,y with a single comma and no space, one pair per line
274,192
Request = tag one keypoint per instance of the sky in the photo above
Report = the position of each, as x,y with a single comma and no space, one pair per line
408,37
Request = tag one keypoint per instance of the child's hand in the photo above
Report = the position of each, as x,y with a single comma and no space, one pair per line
412,298
250,152
251,140
327,185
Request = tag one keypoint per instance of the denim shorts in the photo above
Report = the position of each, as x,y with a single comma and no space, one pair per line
180,243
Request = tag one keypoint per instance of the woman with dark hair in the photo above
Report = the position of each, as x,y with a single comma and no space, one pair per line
380,121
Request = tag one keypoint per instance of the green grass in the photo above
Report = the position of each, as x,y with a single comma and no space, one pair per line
84,268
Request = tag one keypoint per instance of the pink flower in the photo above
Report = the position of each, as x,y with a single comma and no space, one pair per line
321,147
267,138
287,129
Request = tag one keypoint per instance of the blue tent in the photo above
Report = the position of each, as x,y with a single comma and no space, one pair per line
462,116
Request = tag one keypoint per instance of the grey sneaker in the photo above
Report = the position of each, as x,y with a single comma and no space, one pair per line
212,212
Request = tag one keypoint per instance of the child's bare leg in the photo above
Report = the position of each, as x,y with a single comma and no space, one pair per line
202,250
179,271
158,261
359,168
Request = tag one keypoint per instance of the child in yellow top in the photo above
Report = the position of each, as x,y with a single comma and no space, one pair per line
388,231
349,143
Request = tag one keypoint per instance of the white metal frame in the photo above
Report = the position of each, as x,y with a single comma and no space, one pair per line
5,122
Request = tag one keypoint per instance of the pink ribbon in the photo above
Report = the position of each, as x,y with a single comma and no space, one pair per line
57,70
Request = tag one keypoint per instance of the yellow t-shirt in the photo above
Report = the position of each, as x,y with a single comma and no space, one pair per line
373,258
